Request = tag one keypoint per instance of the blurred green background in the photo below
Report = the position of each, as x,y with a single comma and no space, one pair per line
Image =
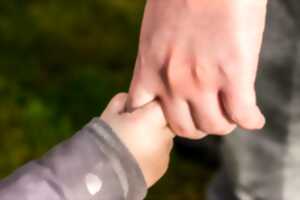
60,63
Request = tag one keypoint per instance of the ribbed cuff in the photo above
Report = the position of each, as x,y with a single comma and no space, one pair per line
123,162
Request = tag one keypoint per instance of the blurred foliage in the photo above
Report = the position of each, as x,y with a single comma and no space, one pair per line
185,180
60,63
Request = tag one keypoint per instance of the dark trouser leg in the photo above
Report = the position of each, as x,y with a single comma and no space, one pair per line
266,165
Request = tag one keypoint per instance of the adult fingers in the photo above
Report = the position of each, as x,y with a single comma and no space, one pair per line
209,115
152,113
180,119
239,100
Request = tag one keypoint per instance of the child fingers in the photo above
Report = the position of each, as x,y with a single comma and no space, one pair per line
169,139
164,138
169,134
117,104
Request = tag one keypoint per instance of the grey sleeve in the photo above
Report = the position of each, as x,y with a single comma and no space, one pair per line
91,165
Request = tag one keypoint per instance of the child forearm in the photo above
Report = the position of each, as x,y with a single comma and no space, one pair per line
93,164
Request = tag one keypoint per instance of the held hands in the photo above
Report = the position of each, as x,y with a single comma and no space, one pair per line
200,57
144,132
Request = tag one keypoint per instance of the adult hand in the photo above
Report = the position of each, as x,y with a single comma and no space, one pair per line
200,57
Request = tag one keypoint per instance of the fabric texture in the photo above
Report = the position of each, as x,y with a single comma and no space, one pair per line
91,165
265,165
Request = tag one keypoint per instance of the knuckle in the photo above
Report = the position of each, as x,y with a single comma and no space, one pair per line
173,78
168,75
202,75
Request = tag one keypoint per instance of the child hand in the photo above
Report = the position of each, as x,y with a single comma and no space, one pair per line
145,133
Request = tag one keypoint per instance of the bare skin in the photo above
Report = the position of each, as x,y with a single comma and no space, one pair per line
200,57
145,133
